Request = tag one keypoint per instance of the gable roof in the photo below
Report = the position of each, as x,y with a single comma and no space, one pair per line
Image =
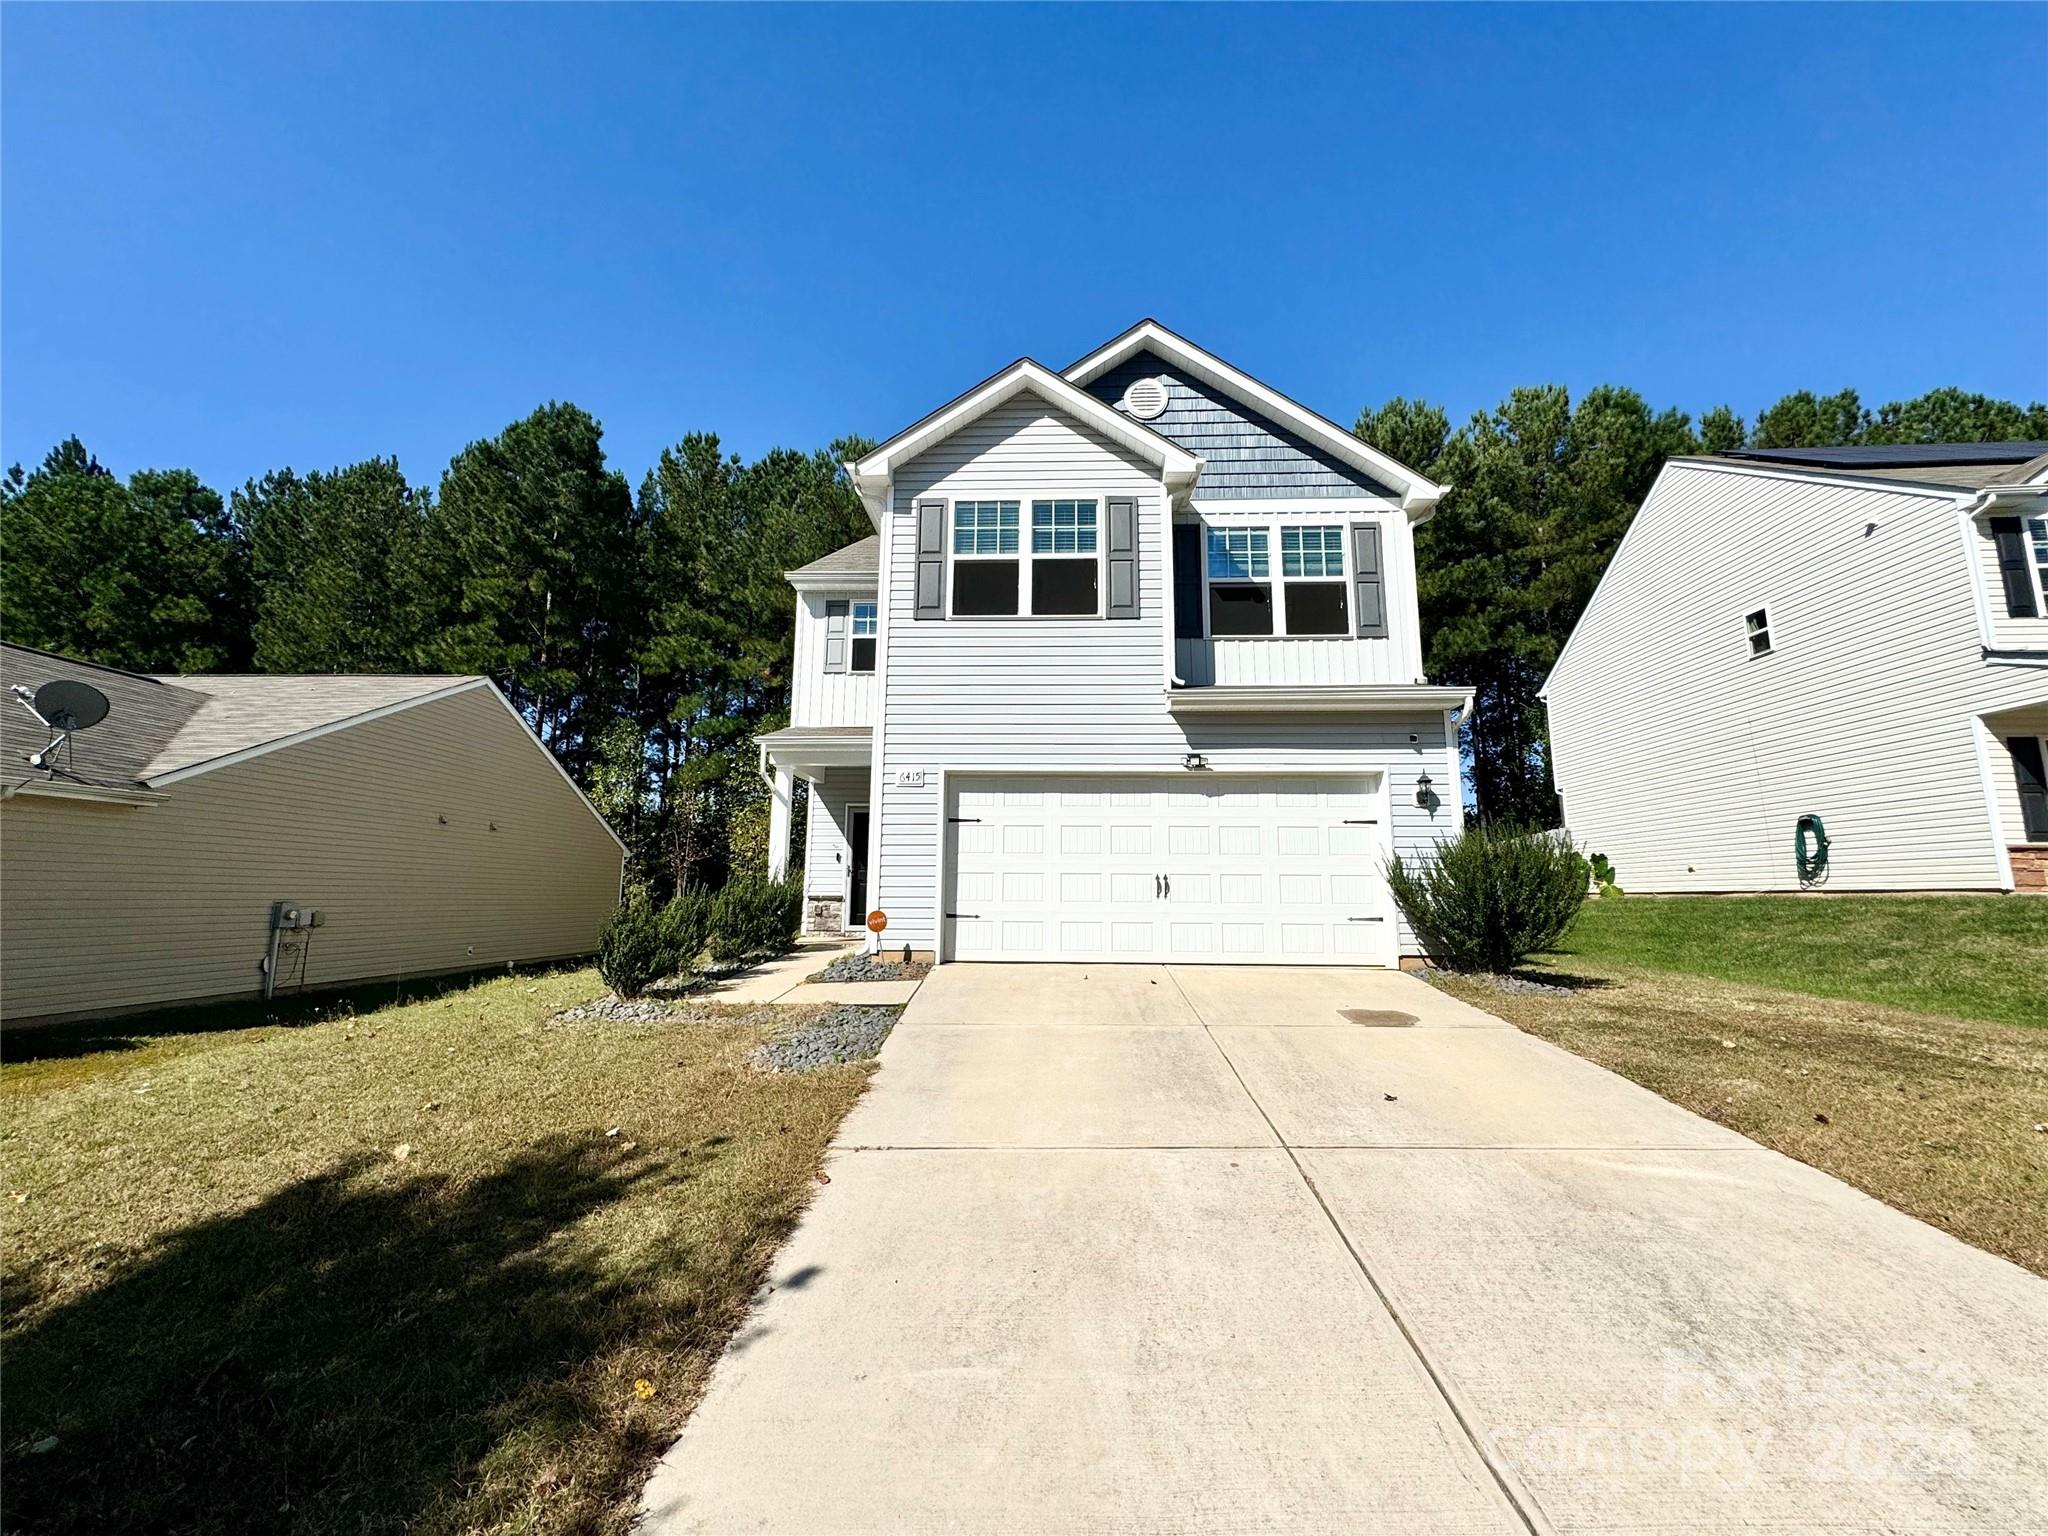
240,713
146,714
1418,494
1965,466
871,474
858,564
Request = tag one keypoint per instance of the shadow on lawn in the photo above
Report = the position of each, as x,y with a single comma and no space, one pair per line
338,1358
127,1032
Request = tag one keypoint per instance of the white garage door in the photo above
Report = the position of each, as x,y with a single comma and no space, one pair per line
1218,868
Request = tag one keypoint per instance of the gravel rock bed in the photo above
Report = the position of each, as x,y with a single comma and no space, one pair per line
644,1010
850,1033
863,967
1524,986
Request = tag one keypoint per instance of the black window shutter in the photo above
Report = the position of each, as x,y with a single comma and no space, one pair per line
835,636
1187,581
931,559
2026,762
1368,582
1123,558
2012,567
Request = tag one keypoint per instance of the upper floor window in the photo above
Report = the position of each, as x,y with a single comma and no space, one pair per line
862,657
2037,539
1758,625
2020,548
997,574
1313,590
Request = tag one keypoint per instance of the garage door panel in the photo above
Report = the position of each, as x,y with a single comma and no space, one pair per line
1240,870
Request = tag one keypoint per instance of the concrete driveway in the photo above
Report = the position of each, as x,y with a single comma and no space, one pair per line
1161,1249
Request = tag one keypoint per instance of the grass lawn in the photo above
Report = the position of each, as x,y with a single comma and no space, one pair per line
440,1267
1747,1010
1967,957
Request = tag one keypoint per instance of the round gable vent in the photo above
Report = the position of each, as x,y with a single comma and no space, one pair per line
1145,399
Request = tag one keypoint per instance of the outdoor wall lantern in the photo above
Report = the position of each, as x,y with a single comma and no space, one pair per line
1425,791
1194,760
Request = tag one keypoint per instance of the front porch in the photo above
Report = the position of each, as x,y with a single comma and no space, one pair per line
2015,747
834,762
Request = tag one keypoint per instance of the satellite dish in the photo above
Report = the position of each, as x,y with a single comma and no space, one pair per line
66,705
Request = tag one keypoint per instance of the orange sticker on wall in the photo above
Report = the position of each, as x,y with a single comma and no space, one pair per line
877,920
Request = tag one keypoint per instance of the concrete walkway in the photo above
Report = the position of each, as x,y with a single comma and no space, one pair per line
783,980
1145,1249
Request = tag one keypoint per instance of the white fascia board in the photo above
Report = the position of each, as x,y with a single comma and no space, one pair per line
872,474
99,794
1419,494
1267,700
1922,489
314,733
855,586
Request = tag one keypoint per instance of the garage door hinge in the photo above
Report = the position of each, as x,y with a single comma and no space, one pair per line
956,820
970,916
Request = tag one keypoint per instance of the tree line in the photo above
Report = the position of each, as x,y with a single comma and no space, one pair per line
646,634
646,637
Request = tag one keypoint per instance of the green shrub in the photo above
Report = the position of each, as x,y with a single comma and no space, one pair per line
1603,876
1489,898
633,951
687,918
751,916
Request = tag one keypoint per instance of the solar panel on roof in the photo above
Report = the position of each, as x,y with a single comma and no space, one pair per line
1896,455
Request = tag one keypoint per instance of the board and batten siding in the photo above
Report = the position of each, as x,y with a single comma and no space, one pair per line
1688,761
116,907
1065,695
827,852
1245,455
818,697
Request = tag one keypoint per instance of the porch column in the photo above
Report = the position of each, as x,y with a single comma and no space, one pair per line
778,823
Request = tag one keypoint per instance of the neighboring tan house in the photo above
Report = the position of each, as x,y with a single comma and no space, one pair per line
1131,671
150,863
1854,634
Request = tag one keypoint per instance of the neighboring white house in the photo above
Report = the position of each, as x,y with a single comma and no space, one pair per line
1854,634
218,837
1130,671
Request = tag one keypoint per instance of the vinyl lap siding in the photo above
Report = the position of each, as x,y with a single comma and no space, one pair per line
1688,761
2007,634
1246,454
818,697
1056,695
111,907
826,850
2005,774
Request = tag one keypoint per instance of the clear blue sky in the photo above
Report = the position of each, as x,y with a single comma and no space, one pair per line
242,237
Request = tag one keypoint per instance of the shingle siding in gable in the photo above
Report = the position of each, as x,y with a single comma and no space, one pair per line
1246,455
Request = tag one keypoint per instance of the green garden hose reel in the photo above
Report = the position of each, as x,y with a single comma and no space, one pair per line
1810,849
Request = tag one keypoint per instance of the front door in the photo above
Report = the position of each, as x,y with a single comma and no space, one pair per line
857,867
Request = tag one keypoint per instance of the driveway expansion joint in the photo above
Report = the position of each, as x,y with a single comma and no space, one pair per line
1519,1500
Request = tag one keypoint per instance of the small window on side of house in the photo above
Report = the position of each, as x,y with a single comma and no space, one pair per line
861,653
1759,626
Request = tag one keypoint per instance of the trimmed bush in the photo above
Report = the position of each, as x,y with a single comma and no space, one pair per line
633,951
753,917
1489,898
687,918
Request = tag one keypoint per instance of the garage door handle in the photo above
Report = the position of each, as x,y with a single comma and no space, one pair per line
1365,919
1370,821
1157,892
1169,887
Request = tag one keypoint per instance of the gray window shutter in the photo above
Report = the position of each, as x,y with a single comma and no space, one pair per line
2027,764
1123,558
1368,583
931,559
2011,544
1187,581
835,636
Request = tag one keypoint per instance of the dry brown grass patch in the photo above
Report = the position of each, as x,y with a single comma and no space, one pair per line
1935,1116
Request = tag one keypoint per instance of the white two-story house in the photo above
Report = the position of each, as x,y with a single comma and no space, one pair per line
1854,637
1130,671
